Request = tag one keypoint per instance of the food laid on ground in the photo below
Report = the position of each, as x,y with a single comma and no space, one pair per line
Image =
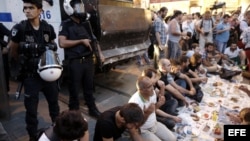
211,104
219,139
195,117
220,101
194,103
215,112
217,129
206,128
220,97
196,108
234,99
217,92
217,83
206,116
236,107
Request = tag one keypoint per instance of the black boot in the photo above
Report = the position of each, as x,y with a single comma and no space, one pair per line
33,138
94,112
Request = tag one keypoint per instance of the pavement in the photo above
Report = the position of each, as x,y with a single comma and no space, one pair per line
111,89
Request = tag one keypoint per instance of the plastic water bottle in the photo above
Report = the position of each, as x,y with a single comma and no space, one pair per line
214,116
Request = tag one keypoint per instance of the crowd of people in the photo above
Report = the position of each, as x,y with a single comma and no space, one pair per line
185,48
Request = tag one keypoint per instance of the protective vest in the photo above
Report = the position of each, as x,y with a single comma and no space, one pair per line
32,45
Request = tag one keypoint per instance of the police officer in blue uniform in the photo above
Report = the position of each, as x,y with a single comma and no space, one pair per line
76,41
27,44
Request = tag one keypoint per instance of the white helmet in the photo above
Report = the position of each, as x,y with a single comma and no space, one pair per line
67,7
78,10
49,67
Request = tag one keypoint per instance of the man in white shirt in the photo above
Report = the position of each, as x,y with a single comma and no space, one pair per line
235,54
146,98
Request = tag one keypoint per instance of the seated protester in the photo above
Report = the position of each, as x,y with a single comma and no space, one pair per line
146,98
183,43
243,118
195,64
169,107
211,57
181,79
194,76
235,54
69,125
173,88
194,48
113,122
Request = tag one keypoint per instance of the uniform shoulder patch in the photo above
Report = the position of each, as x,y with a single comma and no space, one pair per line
14,32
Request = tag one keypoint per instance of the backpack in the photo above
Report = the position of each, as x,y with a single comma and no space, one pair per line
201,25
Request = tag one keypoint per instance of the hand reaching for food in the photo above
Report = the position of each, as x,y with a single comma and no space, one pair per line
245,89
233,117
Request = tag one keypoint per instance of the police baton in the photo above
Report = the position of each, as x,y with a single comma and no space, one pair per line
19,90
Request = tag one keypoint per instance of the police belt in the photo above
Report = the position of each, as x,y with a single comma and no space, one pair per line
82,59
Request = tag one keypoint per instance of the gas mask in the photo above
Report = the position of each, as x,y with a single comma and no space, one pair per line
78,10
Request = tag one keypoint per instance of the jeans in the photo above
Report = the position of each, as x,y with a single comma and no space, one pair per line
182,83
174,50
145,57
168,122
170,105
158,132
158,54
204,39
221,46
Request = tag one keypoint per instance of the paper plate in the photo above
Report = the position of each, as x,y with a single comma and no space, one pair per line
206,116
187,130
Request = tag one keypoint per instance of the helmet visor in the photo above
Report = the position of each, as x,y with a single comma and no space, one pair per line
49,58
79,8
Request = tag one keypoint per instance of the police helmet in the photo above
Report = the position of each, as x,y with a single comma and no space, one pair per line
49,67
75,8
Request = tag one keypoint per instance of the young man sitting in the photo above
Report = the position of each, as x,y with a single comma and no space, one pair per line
211,57
235,55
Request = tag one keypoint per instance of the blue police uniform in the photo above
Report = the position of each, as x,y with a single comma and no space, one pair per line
33,84
80,66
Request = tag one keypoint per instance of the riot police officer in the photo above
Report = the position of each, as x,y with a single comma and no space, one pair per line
76,41
28,41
